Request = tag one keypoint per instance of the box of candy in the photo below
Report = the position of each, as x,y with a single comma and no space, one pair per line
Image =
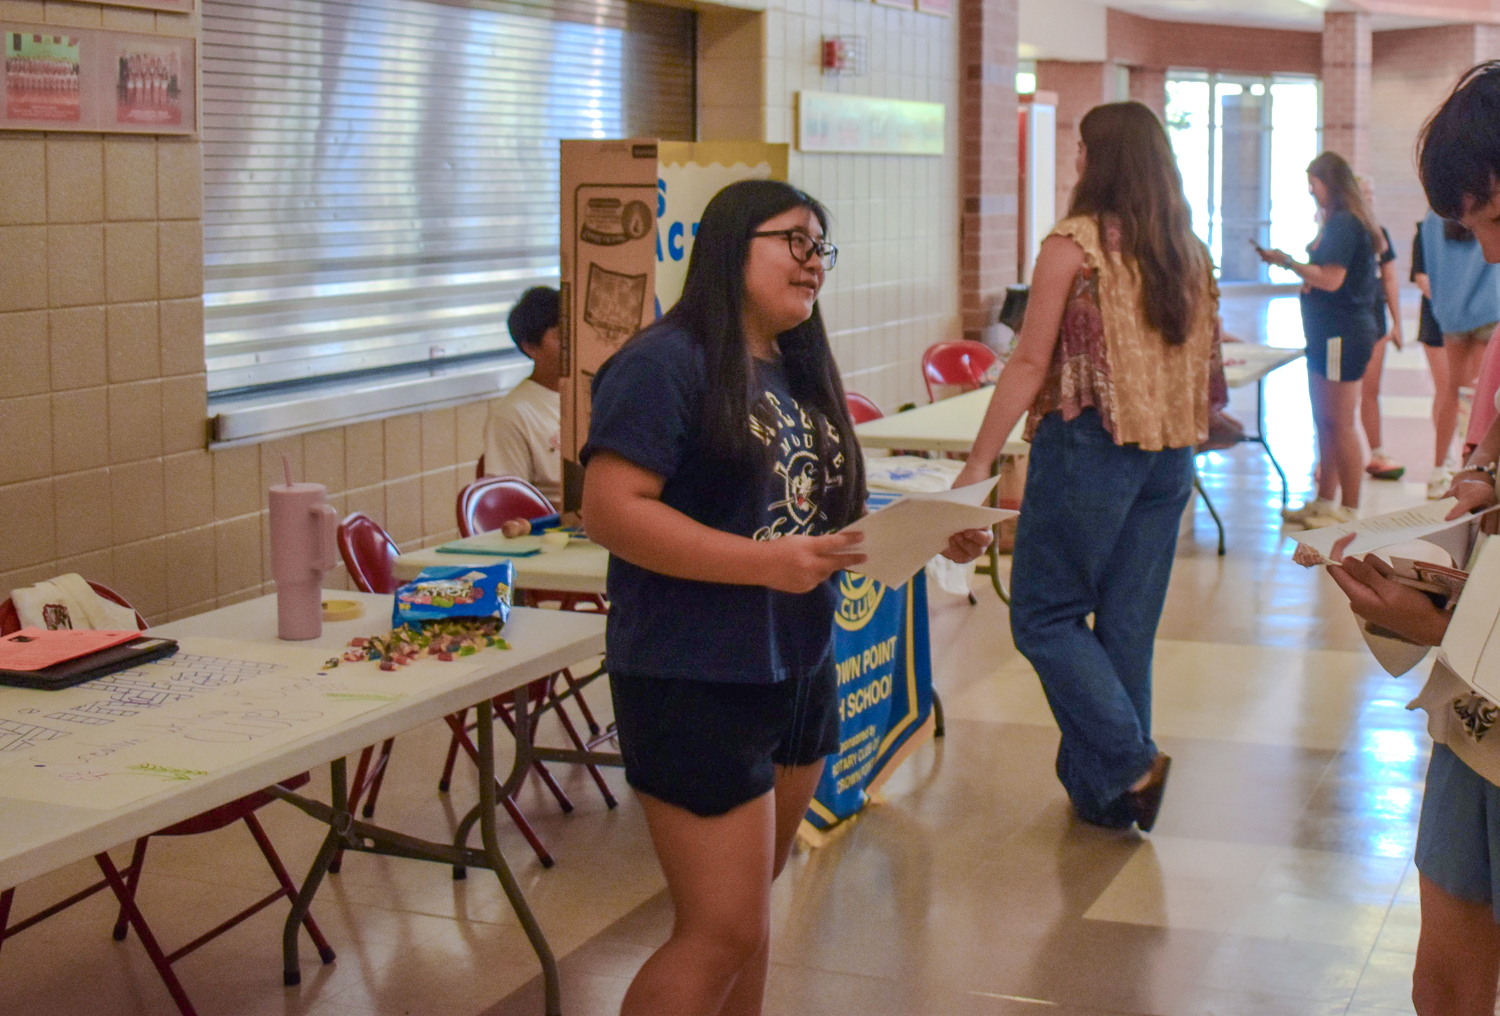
455,591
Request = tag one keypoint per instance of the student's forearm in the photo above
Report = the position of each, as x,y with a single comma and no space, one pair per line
1488,449
658,537
1392,296
1324,277
1014,393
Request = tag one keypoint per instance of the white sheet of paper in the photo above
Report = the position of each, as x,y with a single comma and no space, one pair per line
1397,656
117,739
1420,523
901,537
1471,648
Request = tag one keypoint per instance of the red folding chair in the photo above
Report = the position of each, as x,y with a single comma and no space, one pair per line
953,368
370,554
125,882
483,506
862,409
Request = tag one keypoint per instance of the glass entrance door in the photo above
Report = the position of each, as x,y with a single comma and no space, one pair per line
1242,146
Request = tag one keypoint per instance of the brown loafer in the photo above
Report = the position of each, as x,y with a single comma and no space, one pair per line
1145,803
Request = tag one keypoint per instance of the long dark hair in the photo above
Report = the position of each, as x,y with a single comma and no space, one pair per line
710,310
1344,194
1458,155
1129,174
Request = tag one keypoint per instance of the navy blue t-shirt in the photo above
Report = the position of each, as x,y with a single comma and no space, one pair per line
1348,311
647,408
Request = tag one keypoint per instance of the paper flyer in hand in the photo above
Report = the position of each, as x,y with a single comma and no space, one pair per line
1471,646
1424,522
901,537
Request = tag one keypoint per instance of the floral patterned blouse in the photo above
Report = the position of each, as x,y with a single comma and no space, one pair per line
1147,392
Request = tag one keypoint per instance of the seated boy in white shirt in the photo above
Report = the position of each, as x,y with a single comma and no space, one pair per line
523,435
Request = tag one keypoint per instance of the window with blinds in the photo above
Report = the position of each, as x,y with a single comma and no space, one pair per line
381,177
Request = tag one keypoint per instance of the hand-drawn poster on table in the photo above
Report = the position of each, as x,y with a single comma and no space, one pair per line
94,80
884,667
213,704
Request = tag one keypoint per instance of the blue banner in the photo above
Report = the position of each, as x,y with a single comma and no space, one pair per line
884,687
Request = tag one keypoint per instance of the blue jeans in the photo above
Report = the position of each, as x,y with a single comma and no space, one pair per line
1097,533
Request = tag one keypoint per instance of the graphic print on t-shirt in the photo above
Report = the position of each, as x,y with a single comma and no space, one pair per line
781,423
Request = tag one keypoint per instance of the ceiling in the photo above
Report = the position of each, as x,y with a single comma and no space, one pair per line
1306,15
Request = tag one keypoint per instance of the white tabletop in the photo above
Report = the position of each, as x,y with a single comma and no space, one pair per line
950,425
36,838
1247,362
580,567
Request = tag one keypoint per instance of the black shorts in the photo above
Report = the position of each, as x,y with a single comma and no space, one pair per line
710,746
1429,332
1343,357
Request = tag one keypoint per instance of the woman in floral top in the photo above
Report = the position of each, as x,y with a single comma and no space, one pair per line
1118,364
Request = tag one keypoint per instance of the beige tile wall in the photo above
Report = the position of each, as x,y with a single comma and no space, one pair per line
895,218
101,321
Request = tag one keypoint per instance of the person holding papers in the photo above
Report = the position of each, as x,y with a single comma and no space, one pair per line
1338,320
1118,362
721,461
1458,839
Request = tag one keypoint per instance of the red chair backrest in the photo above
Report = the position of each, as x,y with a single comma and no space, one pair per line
484,504
479,468
955,367
369,553
861,408
10,621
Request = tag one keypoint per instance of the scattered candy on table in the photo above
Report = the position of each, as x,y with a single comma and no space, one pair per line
446,640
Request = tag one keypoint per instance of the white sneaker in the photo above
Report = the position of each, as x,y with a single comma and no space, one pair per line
1306,511
1439,482
1330,515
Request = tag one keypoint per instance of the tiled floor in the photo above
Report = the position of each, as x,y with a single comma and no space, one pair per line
1277,883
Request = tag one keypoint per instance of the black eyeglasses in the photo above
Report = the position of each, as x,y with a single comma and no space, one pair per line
803,247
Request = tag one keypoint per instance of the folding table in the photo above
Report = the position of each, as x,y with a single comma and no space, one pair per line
36,838
947,426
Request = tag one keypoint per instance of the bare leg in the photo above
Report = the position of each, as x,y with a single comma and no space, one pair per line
1444,401
1339,452
1464,361
719,873
1369,396
1458,956
794,788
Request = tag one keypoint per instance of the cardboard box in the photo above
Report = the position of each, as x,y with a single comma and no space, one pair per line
630,211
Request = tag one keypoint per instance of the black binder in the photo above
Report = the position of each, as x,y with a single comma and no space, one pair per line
85,668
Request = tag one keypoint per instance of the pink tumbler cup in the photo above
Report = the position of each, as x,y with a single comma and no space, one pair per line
303,525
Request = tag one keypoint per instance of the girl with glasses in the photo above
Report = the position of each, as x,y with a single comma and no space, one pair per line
720,463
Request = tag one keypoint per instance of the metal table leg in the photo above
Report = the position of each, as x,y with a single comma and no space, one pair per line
350,834
1208,503
552,983
1260,437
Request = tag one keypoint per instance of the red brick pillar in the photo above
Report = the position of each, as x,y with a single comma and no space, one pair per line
1346,87
1149,85
1079,87
988,172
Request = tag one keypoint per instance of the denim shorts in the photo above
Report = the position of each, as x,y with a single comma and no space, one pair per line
710,746
1458,839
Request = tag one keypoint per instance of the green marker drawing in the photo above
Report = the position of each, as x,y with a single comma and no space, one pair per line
167,772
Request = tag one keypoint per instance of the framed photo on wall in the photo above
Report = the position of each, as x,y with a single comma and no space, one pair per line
152,84
87,79
175,6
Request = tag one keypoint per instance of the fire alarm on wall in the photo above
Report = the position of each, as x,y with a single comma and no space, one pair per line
845,55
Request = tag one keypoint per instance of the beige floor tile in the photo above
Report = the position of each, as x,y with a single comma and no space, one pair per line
1385,984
